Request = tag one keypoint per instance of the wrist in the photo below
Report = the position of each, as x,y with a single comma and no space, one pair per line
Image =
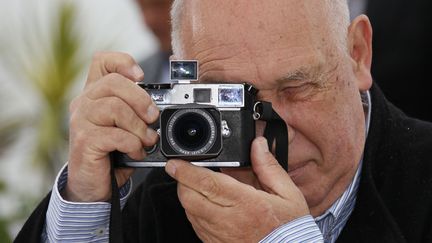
71,195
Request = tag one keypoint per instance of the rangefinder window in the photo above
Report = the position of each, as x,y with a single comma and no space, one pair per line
184,70
202,95
230,96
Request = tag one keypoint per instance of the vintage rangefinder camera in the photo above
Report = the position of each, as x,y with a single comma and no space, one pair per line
211,125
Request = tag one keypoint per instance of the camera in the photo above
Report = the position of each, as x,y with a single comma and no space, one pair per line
209,124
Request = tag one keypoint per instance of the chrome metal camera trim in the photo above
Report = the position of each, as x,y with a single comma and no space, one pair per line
161,107
178,91
217,164
151,149
226,131
197,163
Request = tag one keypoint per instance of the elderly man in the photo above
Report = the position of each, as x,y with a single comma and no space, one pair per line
358,170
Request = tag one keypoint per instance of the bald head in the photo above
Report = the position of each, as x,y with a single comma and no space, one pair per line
249,18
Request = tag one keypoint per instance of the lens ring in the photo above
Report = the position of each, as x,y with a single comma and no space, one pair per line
200,145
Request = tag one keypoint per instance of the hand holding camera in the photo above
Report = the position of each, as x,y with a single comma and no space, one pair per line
112,113
211,125
216,202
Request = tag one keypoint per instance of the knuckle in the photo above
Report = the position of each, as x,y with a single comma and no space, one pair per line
116,106
76,120
135,123
272,163
151,140
112,78
127,58
119,136
209,185
98,56
102,87
128,142
146,99
270,160
80,137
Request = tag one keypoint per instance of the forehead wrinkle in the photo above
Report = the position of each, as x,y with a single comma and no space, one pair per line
225,61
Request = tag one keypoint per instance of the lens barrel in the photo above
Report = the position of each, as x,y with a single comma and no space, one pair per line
191,131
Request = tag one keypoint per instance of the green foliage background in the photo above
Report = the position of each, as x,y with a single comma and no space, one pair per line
51,74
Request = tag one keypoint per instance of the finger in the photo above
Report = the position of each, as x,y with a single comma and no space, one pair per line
112,111
267,169
244,175
123,174
99,141
217,187
136,97
104,63
197,204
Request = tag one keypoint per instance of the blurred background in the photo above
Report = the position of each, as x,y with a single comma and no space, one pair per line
45,49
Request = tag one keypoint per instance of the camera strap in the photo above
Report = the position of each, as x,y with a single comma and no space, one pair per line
115,225
276,131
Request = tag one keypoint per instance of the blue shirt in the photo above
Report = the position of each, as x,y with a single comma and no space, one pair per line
89,222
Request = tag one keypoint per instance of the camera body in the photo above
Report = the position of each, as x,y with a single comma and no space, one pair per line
211,125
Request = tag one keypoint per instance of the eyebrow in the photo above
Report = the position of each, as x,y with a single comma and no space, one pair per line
311,73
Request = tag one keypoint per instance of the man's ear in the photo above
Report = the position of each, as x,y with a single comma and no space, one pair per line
360,49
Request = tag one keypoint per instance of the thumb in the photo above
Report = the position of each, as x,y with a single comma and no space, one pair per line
270,174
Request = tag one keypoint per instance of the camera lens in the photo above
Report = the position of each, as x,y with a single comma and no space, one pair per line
191,131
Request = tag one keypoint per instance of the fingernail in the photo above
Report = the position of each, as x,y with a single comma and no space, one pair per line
170,168
150,133
263,146
152,112
137,72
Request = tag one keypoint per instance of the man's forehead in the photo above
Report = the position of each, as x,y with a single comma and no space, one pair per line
252,9
232,21
226,10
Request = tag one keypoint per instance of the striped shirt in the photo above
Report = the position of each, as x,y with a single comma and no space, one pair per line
89,222
78,222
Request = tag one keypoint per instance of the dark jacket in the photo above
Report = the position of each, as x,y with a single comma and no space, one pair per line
394,202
